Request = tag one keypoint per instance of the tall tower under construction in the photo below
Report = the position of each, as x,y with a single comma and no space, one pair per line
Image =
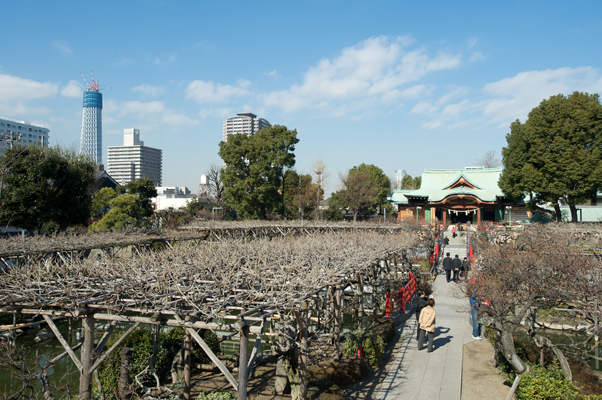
91,138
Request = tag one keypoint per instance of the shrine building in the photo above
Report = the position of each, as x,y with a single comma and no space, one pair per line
458,195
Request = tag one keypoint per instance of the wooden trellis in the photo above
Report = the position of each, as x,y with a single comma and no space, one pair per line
231,285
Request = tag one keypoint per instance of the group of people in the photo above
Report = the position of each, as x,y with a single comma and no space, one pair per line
455,268
425,315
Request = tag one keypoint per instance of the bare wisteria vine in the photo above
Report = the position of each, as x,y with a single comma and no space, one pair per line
205,280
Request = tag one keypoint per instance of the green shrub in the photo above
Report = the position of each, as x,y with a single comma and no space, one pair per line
217,395
546,383
373,346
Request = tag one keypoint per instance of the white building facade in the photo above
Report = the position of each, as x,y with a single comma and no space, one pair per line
172,198
134,160
18,131
247,123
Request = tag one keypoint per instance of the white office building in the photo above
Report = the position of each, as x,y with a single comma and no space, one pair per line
134,160
15,130
247,123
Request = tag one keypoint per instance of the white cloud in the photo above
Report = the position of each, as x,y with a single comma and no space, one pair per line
472,42
177,119
453,91
124,61
508,99
515,97
149,89
424,107
211,92
170,60
476,56
62,46
139,108
15,88
73,89
377,67
274,74
153,111
217,112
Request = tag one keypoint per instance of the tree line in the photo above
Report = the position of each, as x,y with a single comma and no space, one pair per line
51,189
259,181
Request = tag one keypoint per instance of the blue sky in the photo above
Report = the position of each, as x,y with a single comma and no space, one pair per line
397,84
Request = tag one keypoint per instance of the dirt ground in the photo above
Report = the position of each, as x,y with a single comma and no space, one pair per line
480,379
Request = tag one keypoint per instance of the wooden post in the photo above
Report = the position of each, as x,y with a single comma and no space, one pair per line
360,311
87,349
242,363
478,216
337,321
187,357
375,304
304,351
444,212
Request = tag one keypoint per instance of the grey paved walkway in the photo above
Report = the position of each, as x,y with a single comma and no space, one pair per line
437,375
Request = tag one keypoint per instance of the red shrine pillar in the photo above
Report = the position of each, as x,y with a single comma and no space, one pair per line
444,212
478,216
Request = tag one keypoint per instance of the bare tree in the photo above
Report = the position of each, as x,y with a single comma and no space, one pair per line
216,186
489,160
540,268
321,173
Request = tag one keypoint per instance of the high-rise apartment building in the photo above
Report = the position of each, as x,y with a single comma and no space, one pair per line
247,123
134,160
398,178
15,130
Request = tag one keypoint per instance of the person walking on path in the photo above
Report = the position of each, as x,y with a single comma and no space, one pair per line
427,325
420,304
453,231
465,267
474,310
456,266
447,266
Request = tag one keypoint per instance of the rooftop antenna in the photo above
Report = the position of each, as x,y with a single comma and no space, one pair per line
94,86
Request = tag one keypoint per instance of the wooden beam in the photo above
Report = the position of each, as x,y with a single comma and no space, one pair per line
105,337
213,357
255,350
117,343
64,353
62,340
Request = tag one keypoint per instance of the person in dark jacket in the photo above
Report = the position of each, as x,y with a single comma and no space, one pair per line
447,266
456,265
420,304
465,267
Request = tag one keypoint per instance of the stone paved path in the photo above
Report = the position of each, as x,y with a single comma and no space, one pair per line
437,375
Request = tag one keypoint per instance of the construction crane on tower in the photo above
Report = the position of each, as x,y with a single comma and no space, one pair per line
94,86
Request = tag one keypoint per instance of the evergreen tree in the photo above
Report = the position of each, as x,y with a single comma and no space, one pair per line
254,168
45,187
557,153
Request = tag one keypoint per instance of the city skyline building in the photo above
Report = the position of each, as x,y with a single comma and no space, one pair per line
134,160
91,135
398,178
19,131
247,123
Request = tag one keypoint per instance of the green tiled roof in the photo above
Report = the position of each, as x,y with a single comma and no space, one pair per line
436,181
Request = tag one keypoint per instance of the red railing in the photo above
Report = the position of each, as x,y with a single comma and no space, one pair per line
397,300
